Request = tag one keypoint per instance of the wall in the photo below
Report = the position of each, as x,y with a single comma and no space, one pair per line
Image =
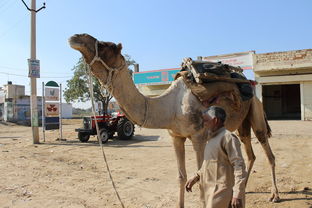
153,90
2,96
1,111
21,110
67,110
154,83
14,91
306,104
287,62
8,111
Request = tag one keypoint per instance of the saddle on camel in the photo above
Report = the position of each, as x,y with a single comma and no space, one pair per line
212,83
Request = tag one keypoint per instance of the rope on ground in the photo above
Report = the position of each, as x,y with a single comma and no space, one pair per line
98,135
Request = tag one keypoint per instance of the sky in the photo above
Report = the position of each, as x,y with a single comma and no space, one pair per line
156,34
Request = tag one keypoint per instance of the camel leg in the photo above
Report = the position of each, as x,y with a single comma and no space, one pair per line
199,148
268,152
178,143
245,136
250,155
262,131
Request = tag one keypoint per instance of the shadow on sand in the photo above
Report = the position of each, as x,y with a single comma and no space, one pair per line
308,194
10,137
115,142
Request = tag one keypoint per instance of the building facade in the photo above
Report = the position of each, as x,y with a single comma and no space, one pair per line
285,83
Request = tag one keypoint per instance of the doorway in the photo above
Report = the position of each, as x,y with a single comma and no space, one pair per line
282,102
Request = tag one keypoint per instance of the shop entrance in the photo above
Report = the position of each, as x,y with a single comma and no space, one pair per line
282,101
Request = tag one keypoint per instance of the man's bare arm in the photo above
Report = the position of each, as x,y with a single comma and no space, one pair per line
190,183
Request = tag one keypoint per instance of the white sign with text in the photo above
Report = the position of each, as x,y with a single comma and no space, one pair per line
52,94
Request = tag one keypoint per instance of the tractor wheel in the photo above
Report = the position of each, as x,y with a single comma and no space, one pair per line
83,137
125,129
104,136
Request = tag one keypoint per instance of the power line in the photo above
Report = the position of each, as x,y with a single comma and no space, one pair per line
20,69
6,67
12,27
20,75
6,6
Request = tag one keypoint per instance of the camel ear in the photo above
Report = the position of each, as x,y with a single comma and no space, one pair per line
119,47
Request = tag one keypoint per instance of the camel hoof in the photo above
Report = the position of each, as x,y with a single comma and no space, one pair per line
274,198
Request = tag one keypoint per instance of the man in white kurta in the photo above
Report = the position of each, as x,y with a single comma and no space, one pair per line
222,175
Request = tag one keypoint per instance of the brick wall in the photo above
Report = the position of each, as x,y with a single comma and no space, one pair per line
283,60
290,57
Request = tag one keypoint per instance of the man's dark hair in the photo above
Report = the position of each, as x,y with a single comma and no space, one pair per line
216,112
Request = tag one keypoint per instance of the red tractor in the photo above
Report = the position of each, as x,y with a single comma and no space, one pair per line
108,125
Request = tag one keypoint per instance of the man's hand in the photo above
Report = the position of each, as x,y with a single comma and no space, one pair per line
236,203
190,183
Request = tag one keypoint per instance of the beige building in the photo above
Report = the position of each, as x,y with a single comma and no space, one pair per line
285,83
12,91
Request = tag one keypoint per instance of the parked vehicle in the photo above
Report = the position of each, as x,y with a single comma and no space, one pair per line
108,125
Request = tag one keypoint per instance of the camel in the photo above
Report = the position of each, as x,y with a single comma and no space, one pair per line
176,110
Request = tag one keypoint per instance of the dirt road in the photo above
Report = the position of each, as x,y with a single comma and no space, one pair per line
72,174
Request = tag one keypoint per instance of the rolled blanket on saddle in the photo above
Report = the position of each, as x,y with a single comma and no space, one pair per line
204,73
214,92
217,84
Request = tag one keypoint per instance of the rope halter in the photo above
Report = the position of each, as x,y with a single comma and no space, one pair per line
108,84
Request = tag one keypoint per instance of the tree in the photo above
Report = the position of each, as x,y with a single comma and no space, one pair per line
78,86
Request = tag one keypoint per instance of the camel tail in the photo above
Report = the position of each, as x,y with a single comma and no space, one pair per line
269,131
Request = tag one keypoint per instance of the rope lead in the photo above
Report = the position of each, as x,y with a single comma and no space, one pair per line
98,135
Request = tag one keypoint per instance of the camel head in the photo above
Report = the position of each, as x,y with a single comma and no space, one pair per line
108,52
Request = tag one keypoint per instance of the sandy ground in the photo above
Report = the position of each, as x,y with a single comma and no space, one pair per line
72,174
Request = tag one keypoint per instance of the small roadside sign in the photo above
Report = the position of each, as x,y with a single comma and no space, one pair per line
34,68
52,123
52,109
52,94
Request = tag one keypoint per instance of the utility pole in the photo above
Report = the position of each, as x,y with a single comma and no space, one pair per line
33,73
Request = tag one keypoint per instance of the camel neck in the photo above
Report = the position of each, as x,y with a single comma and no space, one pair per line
142,110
